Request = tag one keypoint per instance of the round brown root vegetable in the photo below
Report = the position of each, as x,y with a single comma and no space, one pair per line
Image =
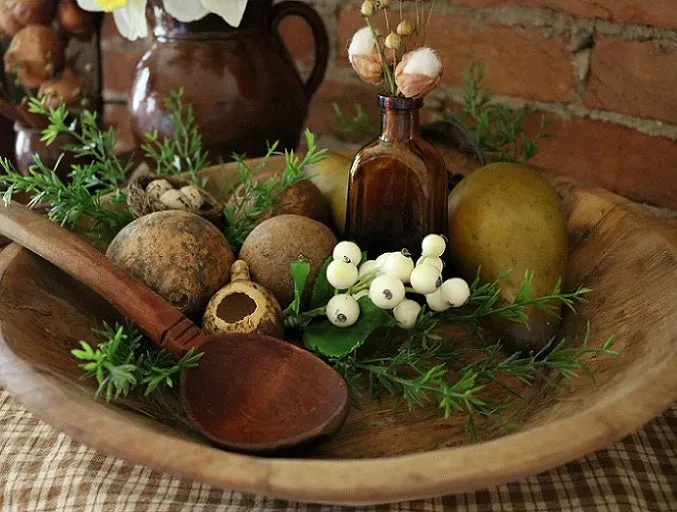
276,243
68,89
179,255
243,306
35,54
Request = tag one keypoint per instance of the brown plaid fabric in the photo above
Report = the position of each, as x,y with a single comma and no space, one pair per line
42,470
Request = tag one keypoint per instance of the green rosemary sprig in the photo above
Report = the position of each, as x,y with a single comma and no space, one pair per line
359,127
184,150
438,373
81,195
485,300
499,131
258,198
124,362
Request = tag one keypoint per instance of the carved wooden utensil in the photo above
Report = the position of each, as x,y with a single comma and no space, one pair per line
249,393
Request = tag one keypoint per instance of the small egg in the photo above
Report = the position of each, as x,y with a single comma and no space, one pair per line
156,188
175,200
193,195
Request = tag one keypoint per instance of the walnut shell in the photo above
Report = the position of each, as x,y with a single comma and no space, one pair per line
141,203
243,306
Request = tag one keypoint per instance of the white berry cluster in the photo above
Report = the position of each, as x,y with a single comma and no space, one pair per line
383,280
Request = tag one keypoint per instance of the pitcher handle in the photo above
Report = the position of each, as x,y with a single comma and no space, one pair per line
294,7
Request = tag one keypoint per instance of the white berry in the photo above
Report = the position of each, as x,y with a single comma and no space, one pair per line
347,251
380,261
436,302
406,313
343,310
399,265
425,279
433,245
156,188
386,292
455,291
194,196
367,267
431,260
341,275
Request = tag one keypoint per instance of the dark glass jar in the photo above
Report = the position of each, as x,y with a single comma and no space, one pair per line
397,191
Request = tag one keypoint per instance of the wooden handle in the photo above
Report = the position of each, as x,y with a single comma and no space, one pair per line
310,15
158,320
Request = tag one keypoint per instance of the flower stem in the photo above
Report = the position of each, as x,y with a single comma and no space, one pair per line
390,80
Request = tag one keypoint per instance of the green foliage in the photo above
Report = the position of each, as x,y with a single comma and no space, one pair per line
359,127
440,373
100,174
299,270
331,341
498,130
183,151
257,198
124,362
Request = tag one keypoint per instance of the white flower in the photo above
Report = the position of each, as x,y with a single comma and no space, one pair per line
130,15
362,43
418,72
190,10
364,57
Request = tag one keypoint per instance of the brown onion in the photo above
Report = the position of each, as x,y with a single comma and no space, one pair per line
35,55
75,21
32,12
67,89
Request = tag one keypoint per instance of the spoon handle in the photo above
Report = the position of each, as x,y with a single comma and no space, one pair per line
158,320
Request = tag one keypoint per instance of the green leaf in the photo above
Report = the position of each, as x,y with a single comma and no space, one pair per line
299,270
331,341
322,291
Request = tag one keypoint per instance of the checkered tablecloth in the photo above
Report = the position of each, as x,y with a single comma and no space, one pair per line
42,470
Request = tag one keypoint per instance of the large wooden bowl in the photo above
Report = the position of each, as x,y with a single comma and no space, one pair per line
384,453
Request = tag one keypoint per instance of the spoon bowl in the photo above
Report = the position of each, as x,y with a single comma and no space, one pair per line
278,398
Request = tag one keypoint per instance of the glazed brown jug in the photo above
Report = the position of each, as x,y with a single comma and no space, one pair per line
242,83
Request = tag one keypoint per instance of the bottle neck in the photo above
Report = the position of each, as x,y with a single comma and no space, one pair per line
399,125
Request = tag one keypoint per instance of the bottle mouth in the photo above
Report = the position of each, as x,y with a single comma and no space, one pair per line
398,103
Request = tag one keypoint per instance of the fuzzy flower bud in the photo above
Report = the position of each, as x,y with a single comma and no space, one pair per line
383,4
418,72
405,29
367,8
393,41
363,56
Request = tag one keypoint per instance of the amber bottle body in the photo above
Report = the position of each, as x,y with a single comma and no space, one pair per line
397,191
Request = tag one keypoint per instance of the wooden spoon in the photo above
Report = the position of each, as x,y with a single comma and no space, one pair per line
249,393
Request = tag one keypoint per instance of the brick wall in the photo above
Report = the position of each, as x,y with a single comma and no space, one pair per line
603,71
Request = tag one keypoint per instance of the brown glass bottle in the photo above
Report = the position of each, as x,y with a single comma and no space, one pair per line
397,191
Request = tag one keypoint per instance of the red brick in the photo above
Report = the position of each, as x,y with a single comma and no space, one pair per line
117,116
620,159
518,61
118,70
660,13
634,78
